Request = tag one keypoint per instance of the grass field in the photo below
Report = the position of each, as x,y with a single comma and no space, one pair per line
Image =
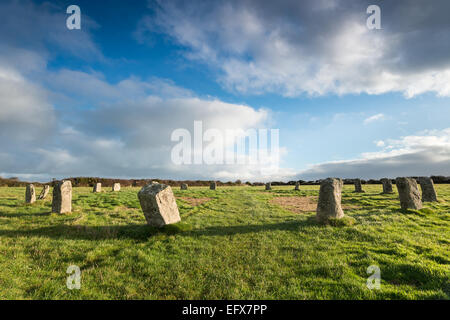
240,244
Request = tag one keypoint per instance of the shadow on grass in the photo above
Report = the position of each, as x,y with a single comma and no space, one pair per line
143,232
12,215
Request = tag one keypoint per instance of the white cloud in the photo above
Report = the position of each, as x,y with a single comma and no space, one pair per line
419,155
374,118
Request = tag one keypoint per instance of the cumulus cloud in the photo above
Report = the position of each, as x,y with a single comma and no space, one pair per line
425,154
313,47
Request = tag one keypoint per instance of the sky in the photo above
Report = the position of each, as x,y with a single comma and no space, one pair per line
104,100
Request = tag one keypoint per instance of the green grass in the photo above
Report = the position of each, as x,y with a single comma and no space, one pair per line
236,246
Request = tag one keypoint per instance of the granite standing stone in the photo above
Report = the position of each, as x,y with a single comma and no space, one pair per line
268,186
62,197
409,194
213,185
116,187
97,187
387,185
428,191
44,192
358,186
159,205
184,186
329,205
297,186
30,194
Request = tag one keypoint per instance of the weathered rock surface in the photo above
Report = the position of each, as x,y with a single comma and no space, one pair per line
297,186
408,192
97,187
358,186
428,191
184,186
30,194
213,185
44,192
159,205
62,197
387,185
268,186
116,187
329,204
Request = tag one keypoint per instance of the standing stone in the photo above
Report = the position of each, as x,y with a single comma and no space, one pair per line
329,205
116,187
428,191
297,186
158,204
213,185
387,185
30,194
358,187
268,186
62,197
97,187
184,186
44,192
409,194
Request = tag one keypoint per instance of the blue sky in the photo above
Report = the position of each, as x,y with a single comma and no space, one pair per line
103,100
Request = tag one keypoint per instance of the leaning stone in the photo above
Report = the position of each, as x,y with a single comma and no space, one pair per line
387,185
268,186
97,187
44,192
62,197
116,187
213,185
184,186
428,191
358,187
329,205
158,204
409,194
297,186
30,194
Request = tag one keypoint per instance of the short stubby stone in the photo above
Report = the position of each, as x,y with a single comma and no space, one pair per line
116,187
358,186
297,186
62,197
213,185
329,204
428,191
97,187
184,186
408,192
44,192
268,186
159,205
30,194
387,185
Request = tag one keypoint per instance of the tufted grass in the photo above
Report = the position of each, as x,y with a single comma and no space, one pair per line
238,245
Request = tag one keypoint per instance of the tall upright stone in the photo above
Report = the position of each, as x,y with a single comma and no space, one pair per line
329,205
184,186
62,197
116,187
408,192
213,185
268,186
97,187
44,192
428,191
297,186
387,185
158,204
358,186
30,194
